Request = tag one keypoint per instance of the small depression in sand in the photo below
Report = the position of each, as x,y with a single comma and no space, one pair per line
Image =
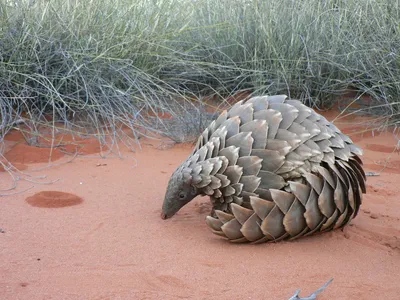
53,199
14,136
20,152
25,154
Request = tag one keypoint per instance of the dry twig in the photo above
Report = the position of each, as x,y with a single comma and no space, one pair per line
313,296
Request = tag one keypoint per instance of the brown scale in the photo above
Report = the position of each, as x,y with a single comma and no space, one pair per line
274,169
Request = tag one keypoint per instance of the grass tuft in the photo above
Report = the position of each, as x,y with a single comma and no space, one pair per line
99,67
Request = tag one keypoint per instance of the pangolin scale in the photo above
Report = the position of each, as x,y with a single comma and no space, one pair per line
274,169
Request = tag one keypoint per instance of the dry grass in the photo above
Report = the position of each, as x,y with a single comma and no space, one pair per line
98,66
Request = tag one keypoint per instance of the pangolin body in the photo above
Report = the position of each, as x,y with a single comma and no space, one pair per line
274,169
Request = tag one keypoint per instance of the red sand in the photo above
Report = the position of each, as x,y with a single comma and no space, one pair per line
53,199
112,244
25,154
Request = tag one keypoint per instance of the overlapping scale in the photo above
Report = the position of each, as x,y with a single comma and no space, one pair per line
275,169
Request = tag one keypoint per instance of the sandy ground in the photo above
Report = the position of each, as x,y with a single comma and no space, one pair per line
106,240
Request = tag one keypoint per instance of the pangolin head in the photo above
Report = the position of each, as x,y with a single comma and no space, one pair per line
180,191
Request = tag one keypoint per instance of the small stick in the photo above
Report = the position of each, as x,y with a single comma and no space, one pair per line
372,174
313,296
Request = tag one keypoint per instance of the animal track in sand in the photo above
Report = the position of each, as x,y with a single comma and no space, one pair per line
163,281
211,264
53,199
373,237
171,281
203,207
382,190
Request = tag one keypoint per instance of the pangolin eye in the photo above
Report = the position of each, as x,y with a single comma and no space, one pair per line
182,195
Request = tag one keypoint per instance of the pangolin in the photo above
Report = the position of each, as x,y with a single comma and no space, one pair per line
274,169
